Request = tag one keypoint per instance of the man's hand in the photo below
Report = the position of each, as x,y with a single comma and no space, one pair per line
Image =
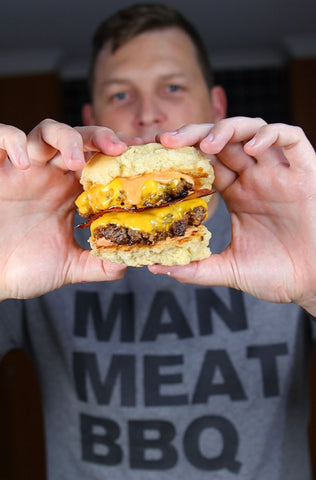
39,177
267,176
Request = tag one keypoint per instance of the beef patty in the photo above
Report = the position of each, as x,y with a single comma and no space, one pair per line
127,236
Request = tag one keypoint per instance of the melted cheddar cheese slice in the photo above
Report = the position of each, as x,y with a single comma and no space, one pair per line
128,191
151,220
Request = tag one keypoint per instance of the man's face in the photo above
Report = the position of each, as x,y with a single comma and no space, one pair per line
151,84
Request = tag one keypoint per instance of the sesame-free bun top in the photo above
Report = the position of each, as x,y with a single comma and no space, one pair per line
143,159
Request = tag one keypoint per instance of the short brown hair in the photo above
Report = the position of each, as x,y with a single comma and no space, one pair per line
127,23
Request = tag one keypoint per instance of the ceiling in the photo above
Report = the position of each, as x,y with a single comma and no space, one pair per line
65,27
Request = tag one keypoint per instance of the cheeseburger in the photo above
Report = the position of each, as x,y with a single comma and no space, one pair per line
147,205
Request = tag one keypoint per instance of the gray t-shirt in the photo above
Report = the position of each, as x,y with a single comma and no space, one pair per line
146,378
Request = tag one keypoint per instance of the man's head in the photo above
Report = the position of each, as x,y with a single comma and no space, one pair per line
150,72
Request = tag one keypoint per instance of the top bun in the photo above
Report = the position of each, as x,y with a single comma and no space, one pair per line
142,159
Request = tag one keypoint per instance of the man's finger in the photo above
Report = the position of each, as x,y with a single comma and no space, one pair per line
52,140
296,147
13,145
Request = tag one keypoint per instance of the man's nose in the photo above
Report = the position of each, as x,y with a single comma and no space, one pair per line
149,113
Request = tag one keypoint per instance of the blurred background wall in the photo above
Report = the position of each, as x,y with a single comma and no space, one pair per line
263,54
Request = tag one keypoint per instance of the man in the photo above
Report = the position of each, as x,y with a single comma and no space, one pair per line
146,377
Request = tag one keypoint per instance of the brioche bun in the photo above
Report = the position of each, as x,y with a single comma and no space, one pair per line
142,159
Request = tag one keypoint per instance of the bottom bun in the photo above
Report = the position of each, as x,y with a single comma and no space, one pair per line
172,251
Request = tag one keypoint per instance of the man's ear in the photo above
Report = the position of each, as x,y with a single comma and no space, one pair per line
219,103
87,114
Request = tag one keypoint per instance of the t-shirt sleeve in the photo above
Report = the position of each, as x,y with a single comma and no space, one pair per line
11,326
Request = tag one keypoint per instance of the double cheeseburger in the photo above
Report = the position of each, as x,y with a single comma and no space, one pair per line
147,205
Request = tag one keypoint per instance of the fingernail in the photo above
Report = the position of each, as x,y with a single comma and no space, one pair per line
251,142
24,160
76,159
116,140
175,132
77,154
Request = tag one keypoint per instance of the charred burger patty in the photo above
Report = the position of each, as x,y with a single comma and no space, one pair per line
128,236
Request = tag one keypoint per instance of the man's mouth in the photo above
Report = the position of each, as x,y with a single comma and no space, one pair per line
150,136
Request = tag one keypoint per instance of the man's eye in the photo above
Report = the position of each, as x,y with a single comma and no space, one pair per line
119,96
173,88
